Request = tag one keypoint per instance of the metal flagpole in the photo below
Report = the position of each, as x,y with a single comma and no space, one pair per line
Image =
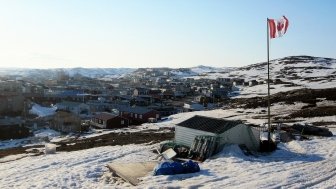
268,85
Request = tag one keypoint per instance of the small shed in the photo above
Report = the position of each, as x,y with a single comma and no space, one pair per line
225,132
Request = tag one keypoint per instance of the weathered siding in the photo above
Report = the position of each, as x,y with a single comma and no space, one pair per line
116,123
66,122
240,134
186,136
256,134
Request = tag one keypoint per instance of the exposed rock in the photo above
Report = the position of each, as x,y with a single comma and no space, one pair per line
312,130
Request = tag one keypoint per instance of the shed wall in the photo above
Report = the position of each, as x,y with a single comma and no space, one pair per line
241,134
186,136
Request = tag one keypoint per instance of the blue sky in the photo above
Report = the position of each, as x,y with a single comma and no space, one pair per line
165,33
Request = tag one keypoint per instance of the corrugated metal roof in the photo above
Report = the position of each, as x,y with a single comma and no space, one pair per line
209,124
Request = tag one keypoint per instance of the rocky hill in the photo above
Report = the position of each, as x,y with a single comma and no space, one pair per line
298,71
308,71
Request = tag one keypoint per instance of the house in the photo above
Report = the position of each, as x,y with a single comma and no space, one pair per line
74,107
65,121
277,81
193,106
238,82
57,94
140,91
155,93
204,90
168,94
179,94
183,88
98,106
11,86
224,80
166,110
253,83
220,93
11,97
137,115
224,131
106,120
144,100
160,80
13,128
11,103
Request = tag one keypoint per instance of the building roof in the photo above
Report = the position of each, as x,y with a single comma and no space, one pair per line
66,93
69,104
10,121
132,109
105,116
209,124
143,89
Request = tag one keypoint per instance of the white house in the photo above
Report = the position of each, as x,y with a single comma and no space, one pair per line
225,132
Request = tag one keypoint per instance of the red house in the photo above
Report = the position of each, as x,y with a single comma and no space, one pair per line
138,115
106,120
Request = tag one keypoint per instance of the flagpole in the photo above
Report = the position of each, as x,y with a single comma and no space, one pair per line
268,86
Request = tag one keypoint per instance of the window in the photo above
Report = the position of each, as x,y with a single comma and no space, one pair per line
122,122
135,115
140,116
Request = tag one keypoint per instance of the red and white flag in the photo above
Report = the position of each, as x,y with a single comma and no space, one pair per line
277,28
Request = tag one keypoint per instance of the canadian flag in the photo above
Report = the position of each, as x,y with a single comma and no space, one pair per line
277,28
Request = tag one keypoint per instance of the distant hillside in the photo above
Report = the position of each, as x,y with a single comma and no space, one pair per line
304,71
52,73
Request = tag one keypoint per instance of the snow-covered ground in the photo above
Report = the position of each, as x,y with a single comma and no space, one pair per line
315,73
255,116
297,164
79,169
42,111
40,137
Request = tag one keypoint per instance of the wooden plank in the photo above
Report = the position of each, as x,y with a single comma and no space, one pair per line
132,171
185,160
